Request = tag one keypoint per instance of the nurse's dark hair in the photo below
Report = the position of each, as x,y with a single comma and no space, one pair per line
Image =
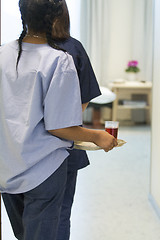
38,16
61,27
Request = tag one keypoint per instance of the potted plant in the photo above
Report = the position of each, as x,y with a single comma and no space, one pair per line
132,70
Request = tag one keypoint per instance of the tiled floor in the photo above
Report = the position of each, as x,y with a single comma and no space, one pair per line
112,194
111,201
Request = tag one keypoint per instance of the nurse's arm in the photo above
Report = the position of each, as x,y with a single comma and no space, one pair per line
77,133
84,106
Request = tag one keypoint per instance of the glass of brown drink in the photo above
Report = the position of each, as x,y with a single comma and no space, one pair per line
112,128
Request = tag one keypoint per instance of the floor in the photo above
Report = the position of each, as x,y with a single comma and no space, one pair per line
111,201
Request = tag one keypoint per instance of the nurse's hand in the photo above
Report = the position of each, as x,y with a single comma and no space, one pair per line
105,140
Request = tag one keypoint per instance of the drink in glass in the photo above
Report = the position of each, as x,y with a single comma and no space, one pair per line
112,128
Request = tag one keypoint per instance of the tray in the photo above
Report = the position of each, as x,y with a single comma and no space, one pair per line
89,146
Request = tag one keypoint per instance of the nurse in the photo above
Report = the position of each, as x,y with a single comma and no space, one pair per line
89,89
40,117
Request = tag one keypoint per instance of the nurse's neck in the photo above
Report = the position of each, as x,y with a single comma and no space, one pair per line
35,38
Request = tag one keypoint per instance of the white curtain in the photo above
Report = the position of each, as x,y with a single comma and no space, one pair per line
115,32
142,45
94,34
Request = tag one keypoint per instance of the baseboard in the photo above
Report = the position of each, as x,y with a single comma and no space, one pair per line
154,205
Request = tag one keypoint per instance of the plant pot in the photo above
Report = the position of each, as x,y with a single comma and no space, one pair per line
131,76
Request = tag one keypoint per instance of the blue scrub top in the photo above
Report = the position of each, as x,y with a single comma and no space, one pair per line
89,89
33,99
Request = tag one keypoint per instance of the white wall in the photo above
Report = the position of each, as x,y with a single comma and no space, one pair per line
11,22
155,153
74,11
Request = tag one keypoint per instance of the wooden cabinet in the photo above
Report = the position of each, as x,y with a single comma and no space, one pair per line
136,87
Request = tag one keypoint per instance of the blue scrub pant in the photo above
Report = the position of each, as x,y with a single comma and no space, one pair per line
64,224
34,215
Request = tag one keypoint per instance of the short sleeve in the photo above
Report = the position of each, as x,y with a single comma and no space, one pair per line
88,83
62,103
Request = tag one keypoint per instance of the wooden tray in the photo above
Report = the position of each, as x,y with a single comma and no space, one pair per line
92,147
